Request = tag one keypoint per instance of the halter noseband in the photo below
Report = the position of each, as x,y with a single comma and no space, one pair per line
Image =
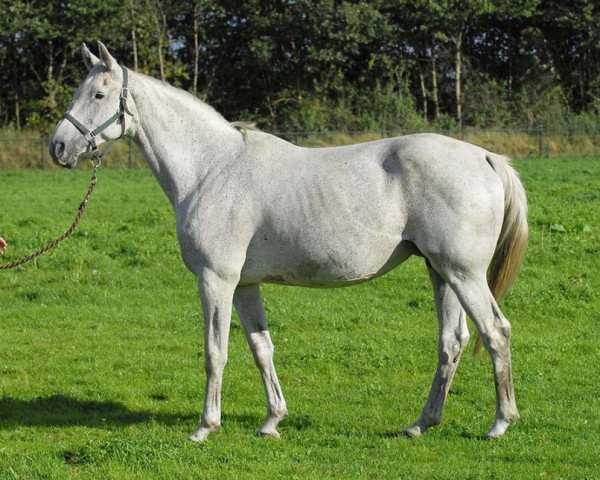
90,135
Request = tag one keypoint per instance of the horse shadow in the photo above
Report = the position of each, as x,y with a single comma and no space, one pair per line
63,411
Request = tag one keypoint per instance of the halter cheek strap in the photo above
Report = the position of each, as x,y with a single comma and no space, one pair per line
90,135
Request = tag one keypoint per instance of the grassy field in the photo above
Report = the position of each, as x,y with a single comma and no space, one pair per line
101,354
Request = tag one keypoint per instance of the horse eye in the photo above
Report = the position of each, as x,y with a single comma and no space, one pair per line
99,96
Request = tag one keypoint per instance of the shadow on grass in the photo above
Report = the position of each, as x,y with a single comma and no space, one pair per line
401,434
58,410
295,422
395,434
62,411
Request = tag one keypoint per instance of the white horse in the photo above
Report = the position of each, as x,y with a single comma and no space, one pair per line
252,208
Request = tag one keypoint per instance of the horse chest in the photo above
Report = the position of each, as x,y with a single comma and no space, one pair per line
212,234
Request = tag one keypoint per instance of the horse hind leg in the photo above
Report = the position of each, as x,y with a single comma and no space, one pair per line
453,336
249,305
477,299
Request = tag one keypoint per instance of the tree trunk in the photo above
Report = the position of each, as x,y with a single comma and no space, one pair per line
133,37
156,13
196,48
458,67
582,83
434,84
54,78
423,88
510,60
160,58
58,78
163,36
17,112
50,70
135,54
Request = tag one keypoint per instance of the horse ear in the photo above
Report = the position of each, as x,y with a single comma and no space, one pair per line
107,58
89,58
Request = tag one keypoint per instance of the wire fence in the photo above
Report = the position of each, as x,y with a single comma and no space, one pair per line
19,152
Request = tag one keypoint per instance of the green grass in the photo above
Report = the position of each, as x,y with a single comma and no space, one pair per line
101,357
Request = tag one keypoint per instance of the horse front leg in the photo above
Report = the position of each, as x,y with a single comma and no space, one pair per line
249,305
216,294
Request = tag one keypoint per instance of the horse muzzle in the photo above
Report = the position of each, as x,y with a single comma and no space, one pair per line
61,156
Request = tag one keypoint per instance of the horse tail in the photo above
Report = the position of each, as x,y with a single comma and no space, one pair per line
512,242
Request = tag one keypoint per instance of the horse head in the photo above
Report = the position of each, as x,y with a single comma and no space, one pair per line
97,111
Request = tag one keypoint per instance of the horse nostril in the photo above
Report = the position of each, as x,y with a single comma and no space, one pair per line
59,148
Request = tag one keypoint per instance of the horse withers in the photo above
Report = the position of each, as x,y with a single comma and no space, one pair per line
252,208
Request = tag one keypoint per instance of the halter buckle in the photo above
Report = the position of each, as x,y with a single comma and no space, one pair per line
90,136
124,92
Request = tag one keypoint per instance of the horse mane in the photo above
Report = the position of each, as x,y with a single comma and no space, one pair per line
191,99
244,128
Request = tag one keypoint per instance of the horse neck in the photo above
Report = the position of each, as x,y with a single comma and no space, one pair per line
182,139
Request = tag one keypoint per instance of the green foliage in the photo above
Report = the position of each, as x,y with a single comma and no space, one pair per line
101,363
388,107
38,40
487,105
445,122
318,65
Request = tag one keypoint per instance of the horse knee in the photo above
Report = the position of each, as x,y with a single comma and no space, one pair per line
263,354
215,361
262,348
500,336
506,329
463,338
452,347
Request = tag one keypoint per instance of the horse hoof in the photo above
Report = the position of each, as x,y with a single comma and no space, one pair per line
200,435
414,430
497,430
269,432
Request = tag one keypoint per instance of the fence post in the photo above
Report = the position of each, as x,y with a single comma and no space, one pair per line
130,153
541,138
43,152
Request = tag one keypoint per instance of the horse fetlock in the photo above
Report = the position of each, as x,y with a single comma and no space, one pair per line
212,422
278,412
430,420
511,416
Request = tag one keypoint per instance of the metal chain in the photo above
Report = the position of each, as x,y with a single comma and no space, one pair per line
68,233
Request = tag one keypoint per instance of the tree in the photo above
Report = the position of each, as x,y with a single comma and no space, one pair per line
570,31
42,37
307,64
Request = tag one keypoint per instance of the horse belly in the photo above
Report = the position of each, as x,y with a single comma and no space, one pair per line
323,264
337,223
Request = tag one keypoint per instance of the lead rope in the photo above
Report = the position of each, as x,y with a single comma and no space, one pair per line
65,235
